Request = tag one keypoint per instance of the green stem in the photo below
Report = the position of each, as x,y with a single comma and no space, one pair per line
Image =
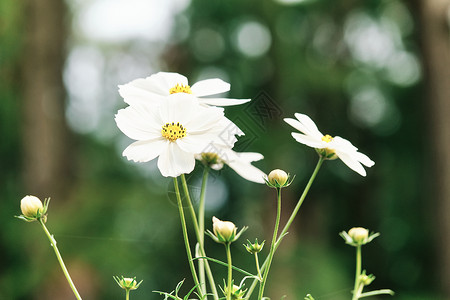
230,271
201,226
186,238
198,234
272,246
61,262
289,222
257,266
127,294
356,291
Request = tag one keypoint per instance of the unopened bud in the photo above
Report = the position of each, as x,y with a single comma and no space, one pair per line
127,283
31,207
358,234
225,231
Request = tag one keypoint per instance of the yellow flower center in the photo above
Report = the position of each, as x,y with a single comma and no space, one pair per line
173,131
327,138
179,88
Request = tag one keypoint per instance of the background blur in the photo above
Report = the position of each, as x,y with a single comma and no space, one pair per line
376,72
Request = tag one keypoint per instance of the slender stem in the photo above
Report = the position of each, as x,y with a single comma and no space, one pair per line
230,270
199,239
272,246
61,262
289,222
186,238
356,291
127,294
257,266
201,226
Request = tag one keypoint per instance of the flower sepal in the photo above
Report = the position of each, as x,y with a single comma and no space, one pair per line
237,292
358,236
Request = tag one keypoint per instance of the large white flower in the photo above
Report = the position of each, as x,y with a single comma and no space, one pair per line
160,85
329,147
216,155
174,130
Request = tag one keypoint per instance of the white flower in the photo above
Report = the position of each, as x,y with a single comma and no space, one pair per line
333,147
175,130
217,155
160,85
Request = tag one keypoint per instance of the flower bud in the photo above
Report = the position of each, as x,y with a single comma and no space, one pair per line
278,177
31,207
237,293
225,231
255,247
127,283
358,234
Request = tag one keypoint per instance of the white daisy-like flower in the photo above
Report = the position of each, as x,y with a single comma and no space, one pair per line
216,155
328,146
174,131
160,85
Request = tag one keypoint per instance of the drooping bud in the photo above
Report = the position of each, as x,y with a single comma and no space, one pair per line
31,206
33,209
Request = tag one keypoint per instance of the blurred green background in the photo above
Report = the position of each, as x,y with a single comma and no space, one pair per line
374,72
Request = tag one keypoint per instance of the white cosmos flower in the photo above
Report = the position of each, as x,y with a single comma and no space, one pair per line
173,131
329,147
216,155
160,85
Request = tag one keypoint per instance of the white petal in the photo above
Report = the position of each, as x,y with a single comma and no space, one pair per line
302,128
173,161
247,171
308,124
167,80
179,107
143,91
250,156
193,143
364,159
143,151
222,101
137,124
307,140
351,162
205,119
343,144
210,87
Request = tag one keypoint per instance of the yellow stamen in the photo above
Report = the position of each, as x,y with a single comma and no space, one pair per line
180,88
327,138
173,131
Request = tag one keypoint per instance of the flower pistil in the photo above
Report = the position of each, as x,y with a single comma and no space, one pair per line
180,88
173,131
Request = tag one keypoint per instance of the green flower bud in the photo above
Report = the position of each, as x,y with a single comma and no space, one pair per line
254,248
127,283
237,293
31,206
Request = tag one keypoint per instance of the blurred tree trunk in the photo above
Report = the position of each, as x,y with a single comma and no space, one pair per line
435,35
45,134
